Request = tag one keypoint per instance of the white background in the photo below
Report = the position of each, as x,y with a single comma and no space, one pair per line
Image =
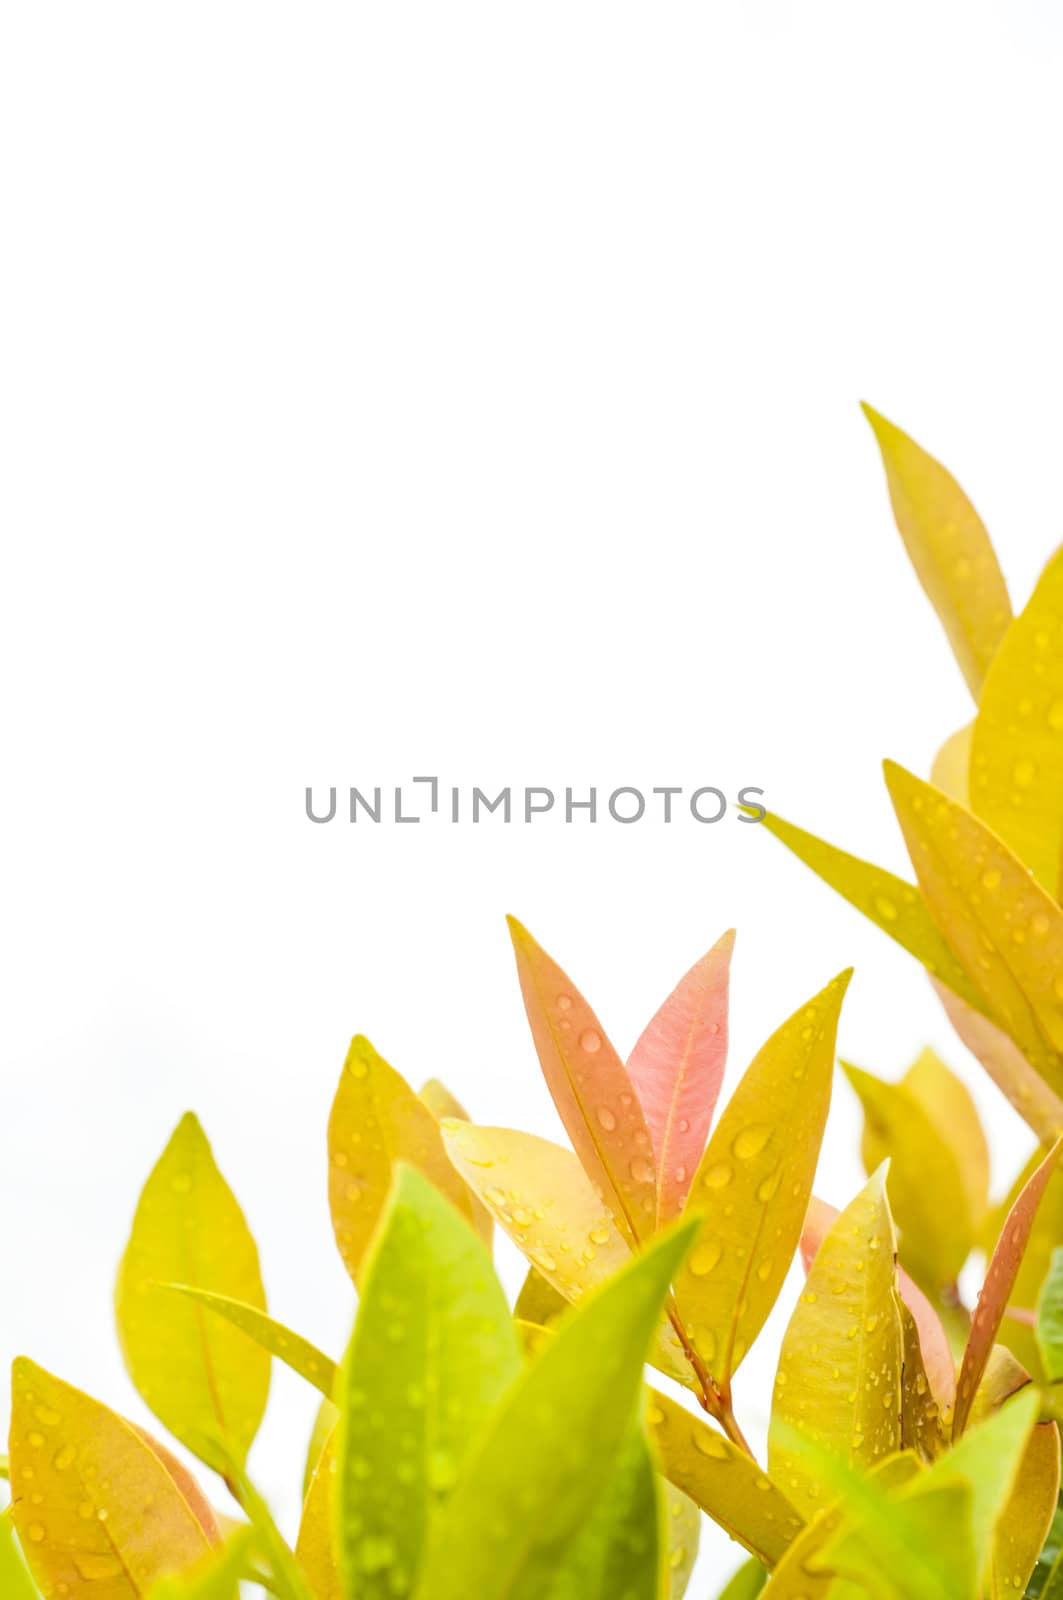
394,389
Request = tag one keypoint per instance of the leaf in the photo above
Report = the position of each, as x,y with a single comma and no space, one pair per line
83,1525
1017,748
919,1543
933,1340
1022,1086
1002,927
215,1577
746,1583
999,1282
1003,1377
754,1183
682,1520
922,1429
839,1375
199,1376
433,1352
1050,1319
677,1068
948,547
15,1580
620,1548
952,764
1027,1517
886,900
554,1441
267,1334
541,1197
377,1121
1047,1230
591,1089
315,1548
947,1101
935,1239
441,1103
721,1479
1046,1581
324,1422
289,1579
538,1301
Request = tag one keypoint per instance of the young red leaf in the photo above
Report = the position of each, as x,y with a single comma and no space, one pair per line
591,1088
677,1068
1000,1280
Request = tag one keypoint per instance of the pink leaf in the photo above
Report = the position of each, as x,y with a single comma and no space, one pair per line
677,1068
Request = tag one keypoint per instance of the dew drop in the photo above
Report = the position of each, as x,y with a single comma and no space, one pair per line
705,1257
607,1118
718,1176
590,1041
751,1141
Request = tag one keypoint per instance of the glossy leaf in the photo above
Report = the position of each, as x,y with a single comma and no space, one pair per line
677,1068
1003,1377
1050,1320
935,1239
541,1197
267,1334
315,1548
376,1122
1017,749
216,1576
620,1548
1006,932
682,1524
922,1425
754,1182
839,1375
591,1088
949,548
325,1421
999,1283
933,1340
442,1104
199,1375
1020,1083
951,767
83,1528
892,904
15,1580
721,1479
433,1352
1027,1517
554,1441
746,1583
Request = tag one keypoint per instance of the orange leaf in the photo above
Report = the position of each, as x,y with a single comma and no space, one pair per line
591,1088
999,1282
677,1068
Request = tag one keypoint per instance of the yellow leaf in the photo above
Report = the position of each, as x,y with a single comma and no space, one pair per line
952,764
591,1088
83,1526
886,900
922,1426
296,1352
754,1183
1003,928
199,1376
682,1520
935,1239
1017,750
722,1480
376,1121
1021,1085
1003,1377
947,1102
839,1376
441,1103
1024,1523
315,1548
541,1197
948,547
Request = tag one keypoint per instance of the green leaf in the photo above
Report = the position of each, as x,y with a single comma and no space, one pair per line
216,1576
1000,1280
747,1582
591,1089
1017,748
267,1334
1006,932
682,1520
1050,1319
554,1441
754,1183
677,1068
433,1352
721,1479
948,547
289,1579
92,1472
839,1375
620,1549
199,1376
1046,1580
15,1580
376,1122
